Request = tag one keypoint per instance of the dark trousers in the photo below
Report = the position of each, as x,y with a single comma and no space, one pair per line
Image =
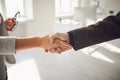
6,74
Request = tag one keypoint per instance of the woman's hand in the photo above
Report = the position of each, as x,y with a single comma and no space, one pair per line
63,40
58,45
10,24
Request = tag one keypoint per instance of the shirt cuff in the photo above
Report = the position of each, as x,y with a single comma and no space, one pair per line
71,39
7,45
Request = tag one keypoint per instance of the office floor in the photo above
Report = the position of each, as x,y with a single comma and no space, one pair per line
35,64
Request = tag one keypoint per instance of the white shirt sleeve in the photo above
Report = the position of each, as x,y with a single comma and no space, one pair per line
7,45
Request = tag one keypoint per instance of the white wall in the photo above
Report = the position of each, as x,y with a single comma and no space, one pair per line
20,30
105,4
44,12
110,5
84,3
43,22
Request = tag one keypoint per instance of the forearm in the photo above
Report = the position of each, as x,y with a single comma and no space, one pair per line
26,43
33,42
106,30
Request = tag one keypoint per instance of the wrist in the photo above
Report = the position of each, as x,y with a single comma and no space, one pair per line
45,42
71,38
26,43
67,37
37,41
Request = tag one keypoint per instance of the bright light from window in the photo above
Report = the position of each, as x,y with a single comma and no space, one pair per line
24,71
64,7
57,6
110,47
102,57
12,6
96,54
0,7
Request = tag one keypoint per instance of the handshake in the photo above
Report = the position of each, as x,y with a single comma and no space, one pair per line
56,43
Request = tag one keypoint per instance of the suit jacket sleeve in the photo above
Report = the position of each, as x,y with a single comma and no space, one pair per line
105,30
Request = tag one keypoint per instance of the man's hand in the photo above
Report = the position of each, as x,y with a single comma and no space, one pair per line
57,44
62,36
62,39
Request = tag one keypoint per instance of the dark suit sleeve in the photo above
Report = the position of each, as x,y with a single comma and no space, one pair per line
105,30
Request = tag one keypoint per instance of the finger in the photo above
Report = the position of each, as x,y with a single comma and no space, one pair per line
65,45
59,50
56,50
53,50
46,50
53,37
63,50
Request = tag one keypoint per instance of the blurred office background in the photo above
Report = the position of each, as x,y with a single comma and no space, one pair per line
41,17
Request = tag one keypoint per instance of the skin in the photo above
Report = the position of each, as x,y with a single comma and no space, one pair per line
41,42
33,42
10,23
61,36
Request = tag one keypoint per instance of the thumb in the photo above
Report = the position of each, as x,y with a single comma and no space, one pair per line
53,37
61,36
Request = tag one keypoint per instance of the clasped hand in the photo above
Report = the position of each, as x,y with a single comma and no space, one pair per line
55,43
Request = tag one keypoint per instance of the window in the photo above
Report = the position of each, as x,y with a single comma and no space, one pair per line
10,7
65,7
13,6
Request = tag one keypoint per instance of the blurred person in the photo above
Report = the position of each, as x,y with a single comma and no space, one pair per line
102,31
9,44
